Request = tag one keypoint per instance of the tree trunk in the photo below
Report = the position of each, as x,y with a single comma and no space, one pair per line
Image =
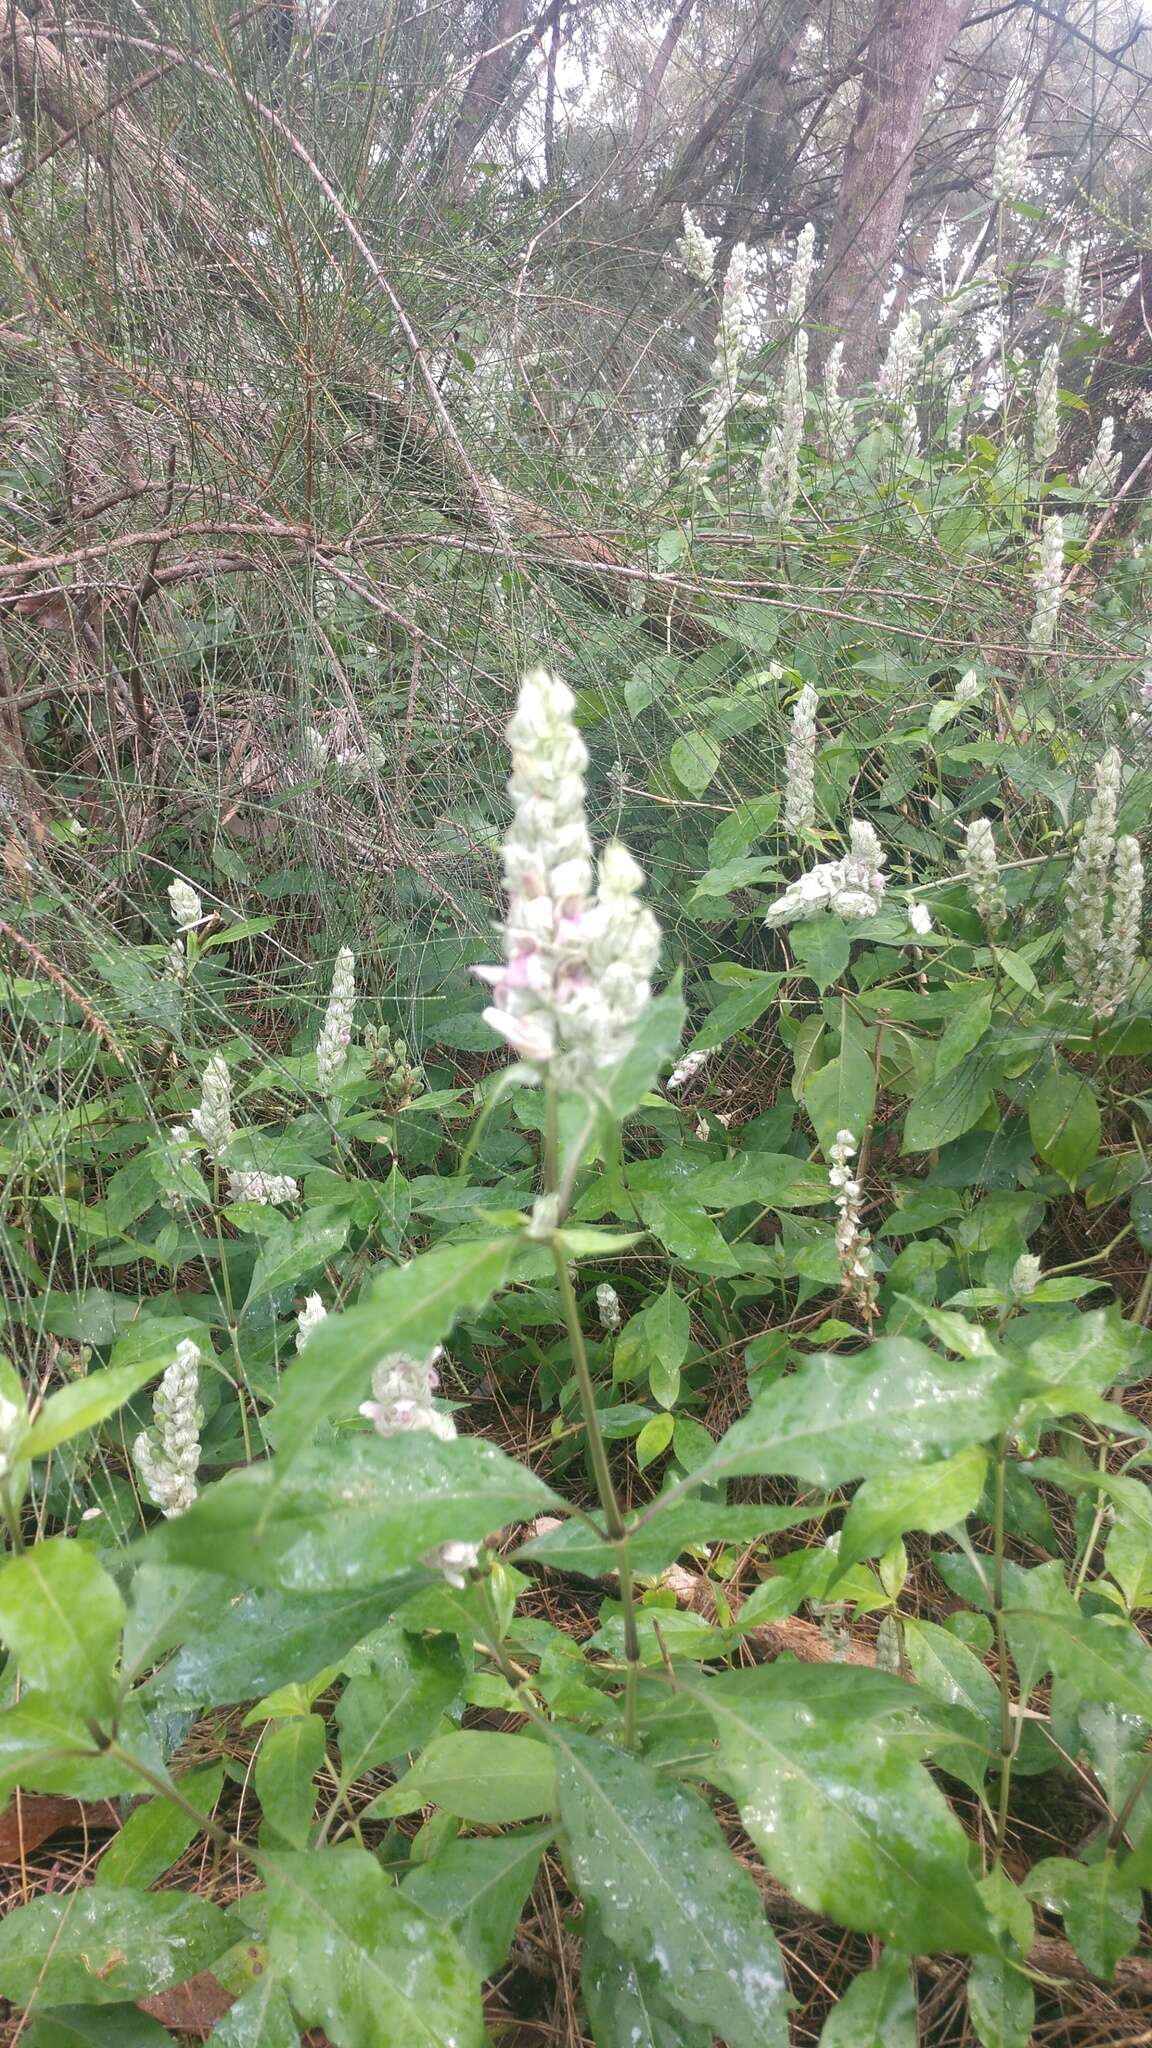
908,41
509,38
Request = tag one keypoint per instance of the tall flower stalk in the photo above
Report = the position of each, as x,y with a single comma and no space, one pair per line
1046,417
982,872
1100,952
1048,583
336,1030
167,1456
724,392
800,766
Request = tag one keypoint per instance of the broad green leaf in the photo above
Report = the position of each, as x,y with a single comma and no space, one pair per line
61,1616
655,1341
822,948
351,1514
156,1833
294,1250
687,1233
110,2026
953,1673
929,1497
743,827
411,1309
261,1640
85,1403
260,2018
395,1705
878,2010
97,1947
169,1603
654,1440
1100,1658
1001,2005
655,1040
842,1095
694,760
963,1032
839,1806
738,1011
658,1542
478,1776
478,1888
286,1765
844,1417
46,1746
1064,1119
361,1962
651,1858
1099,1904
951,1104
622,1999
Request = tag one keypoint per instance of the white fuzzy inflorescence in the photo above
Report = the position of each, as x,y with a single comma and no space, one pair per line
608,1308
212,1117
1046,414
270,1189
1098,477
1010,164
1101,953
1073,278
1122,948
852,887
577,966
1048,583
336,1030
982,872
725,379
684,1070
454,1560
920,919
187,909
780,464
853,1245
900,377
838,413
1025,1276
167,1456
696,250
309,1320
799,813
402,1389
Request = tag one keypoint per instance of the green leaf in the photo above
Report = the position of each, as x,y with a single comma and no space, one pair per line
654,1440
156,1833
687,1233
267,1639
293,1250
821,948
1099,1904
962,1033
842,1095
478,1889
651,1858
840,1807
99,1947
1001,2004
85,1403
113,2026
738,1011
261,2018
655,1041
951,1104
844,1417
1099,1658
45,1746
351,1514
478,1776
655,1341
661,1538
622,1999
61,1616
286,1765
694,760
361,1962
1064,1119
395,1705
951,1672
928,1497
411,1309
878,2010
742,828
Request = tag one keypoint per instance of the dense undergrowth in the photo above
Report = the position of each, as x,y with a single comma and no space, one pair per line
738,1628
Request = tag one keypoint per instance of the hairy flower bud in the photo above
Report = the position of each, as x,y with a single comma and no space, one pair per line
608,1308
187,909
982,871
1048,583
853,1244
336,1030
1025,1276
851,887
696,250
212,1118
167,1456
802,269
799,814
309,1319
402,1389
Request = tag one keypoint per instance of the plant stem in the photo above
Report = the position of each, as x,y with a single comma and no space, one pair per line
1008,1734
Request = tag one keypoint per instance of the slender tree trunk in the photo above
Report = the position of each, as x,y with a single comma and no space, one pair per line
908,42
512,33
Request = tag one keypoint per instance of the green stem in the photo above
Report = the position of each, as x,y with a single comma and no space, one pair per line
1008,1734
